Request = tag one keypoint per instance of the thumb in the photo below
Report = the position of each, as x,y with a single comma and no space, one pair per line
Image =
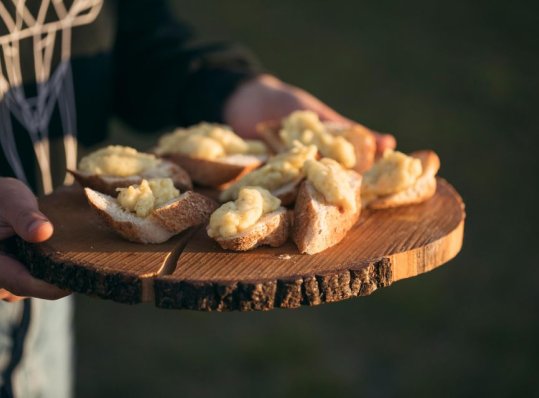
19,211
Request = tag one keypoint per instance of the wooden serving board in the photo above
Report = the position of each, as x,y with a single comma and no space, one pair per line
191,271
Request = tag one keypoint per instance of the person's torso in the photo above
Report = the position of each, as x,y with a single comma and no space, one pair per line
55,84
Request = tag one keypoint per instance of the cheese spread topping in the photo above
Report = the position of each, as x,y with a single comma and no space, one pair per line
278,171
235,217
116,160
207,141
393,173
332,181
306,127
142,199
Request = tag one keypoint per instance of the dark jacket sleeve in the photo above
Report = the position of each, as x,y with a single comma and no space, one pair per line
161,79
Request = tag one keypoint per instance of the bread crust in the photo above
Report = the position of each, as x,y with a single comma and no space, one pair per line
319,225
423,189
288,192
216,173
361,138
363,141
108,184
268,131
188,210
191,209
272,230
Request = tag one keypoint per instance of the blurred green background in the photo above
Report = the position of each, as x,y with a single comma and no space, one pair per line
458,77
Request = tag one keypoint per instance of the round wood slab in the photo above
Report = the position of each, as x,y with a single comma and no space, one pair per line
192,271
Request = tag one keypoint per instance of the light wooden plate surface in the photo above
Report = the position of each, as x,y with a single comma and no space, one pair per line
191,271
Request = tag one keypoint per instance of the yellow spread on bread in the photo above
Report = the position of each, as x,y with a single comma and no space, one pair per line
306,127
236,216
116,160
141,199
393,173
278,171
330,179
207,141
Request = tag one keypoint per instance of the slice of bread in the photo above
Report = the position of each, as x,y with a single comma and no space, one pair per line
288,192
108,184
217,173
188,210
268,131
361,138
423,189
319,225
272,229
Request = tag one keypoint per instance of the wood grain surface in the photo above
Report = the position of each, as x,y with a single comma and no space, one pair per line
192,271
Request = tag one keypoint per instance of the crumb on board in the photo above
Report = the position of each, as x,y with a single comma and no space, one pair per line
284,256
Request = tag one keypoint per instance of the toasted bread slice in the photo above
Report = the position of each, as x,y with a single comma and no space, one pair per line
288,192
272,229
108,184
423,189
216,173
319,225
361,138
268,131
188,210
